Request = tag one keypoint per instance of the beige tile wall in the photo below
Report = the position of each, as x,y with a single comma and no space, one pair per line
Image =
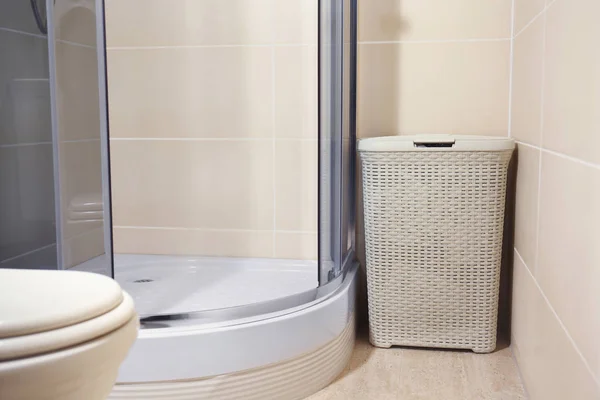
556,121
213,124
432,66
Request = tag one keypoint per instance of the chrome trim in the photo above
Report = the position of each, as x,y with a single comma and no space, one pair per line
232,315
104,137
55,134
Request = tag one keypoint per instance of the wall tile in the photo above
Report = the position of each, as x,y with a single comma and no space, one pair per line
28,56
43,258
17,15
80,248
26,199
432,88
296,82
194,242
189,22
75,21
572,79
25,111
297,246
527,204
296,21
191,92
77,92
549,364
393,20
200,92
569,254
23,89
296,184
525,10
193,184
527,83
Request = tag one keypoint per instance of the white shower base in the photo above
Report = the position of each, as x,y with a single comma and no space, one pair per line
178,284
283,355
286,353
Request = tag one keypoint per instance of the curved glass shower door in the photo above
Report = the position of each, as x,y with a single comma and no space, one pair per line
231,154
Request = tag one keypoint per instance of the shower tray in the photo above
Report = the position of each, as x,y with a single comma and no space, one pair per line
170,285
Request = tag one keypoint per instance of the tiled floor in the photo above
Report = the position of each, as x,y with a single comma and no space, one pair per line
411,374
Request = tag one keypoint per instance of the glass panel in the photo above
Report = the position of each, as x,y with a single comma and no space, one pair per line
336,135
330,90
77,66
214,154
348,132
27,211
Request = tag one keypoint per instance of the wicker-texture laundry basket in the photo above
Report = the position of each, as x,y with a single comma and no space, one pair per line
434,216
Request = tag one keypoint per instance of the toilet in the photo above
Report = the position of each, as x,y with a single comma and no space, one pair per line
63,334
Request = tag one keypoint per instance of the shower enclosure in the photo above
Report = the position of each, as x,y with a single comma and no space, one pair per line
52,137
219,192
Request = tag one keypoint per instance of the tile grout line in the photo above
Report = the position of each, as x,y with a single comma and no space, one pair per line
8,146
434,41
540,161
209,46
209,139
546,7
80,141
535,17
511,66
75,44
275,45
2,146
562,325
560,155
224,230
31,80
36,35
28,253
273,149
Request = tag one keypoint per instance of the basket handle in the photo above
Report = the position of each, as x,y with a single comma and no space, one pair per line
434,142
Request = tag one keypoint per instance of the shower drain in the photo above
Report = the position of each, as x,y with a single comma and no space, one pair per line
143,280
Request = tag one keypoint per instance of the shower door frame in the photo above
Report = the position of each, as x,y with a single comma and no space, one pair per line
337,137
104,133
108,269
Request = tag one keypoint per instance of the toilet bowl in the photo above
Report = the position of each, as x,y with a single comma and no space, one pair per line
63,334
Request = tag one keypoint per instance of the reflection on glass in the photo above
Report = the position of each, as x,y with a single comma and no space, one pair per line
27,214
78,139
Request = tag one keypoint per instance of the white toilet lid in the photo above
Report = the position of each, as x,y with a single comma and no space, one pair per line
38,301
43,311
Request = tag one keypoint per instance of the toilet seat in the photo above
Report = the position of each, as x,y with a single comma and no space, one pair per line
46,311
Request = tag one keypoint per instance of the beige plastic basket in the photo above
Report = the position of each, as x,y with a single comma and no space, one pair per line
434,215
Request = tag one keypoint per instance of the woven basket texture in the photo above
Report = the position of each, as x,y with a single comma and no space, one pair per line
433,231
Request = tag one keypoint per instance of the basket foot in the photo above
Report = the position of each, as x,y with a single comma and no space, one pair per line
484,350
378,343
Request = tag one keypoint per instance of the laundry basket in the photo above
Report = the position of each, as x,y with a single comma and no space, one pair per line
434,216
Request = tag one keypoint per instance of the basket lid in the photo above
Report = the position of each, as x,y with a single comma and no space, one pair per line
432,142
